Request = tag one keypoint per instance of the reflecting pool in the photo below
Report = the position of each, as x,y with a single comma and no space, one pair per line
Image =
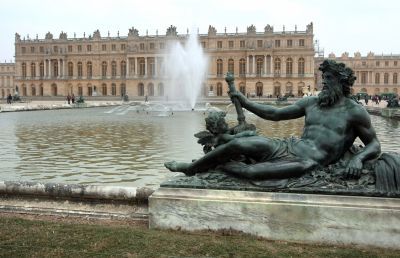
118,146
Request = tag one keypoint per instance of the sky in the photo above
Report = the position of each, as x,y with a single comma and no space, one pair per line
339,25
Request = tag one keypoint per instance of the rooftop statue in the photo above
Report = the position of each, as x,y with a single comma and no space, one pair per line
333,121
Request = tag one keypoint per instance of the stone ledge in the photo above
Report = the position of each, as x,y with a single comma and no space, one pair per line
55,190
280,216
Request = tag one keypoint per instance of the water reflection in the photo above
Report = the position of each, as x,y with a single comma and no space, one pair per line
97,146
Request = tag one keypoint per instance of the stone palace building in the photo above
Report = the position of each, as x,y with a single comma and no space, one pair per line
264,63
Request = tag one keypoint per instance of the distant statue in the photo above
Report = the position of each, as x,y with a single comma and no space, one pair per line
332,123
63,35
310,28
17,37
96,34
212,31
393,102
133,32
268,29
251,29
49,35
171,31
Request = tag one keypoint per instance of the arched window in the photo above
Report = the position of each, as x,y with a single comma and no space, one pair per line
377,78
104,69
123,89
277,66
54,89
23,90
80,71
242,67
386,78
150,89
55,69
70,69
377,90
277,89
41,69
33,90
289,66
113,89
89,71
231,66
259,89
80,90
219,67
160,89
242,88
104,89
140,89
395,78
395,90
289,88
89,90
114,69
33,70
142,67
385,90
123,69
301,66
41,90
23,70
152,67
260,66
219,89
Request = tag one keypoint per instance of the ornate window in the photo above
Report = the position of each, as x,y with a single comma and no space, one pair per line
33,90
289,66
242,67
259,89
150,89
70,69
104,89
377,78
219,89
33,70
231,66
152,67
260,65
277,66
23,70
123,89
301,66
386,78
142,66
219,67
41,69
55,69
104,69
89,70
113,69
160,89
140,89
363,77
242,88
113,89
80,73
123,69
395,78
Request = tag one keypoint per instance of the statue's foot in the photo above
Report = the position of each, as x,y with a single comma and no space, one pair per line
178,167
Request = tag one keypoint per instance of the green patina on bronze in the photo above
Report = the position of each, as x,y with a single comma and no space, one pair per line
323,155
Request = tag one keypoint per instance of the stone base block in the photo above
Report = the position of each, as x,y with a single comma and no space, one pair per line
280,216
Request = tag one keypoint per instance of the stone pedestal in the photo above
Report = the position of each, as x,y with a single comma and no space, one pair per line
280,216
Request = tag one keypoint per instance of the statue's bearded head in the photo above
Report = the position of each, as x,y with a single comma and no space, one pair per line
337,82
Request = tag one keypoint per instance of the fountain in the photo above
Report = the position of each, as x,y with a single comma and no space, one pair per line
186,68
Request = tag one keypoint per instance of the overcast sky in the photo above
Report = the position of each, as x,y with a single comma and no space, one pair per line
339,25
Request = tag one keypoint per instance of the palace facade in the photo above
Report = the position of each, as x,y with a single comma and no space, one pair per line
264,63
375,74
7,74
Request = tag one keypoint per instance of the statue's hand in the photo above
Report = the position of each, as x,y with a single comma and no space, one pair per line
354,167
238,95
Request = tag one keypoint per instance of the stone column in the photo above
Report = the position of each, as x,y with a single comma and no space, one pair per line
155,66
63,64
45,68
49,68
253,70
59,68
265,65
145,67
127,67
271,64
247,65
136,67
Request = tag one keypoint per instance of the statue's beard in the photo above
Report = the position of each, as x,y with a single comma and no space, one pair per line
329,96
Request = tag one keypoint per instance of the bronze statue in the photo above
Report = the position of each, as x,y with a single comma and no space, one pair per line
332,122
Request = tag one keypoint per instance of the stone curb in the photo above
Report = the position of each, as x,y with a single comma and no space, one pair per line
56,190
